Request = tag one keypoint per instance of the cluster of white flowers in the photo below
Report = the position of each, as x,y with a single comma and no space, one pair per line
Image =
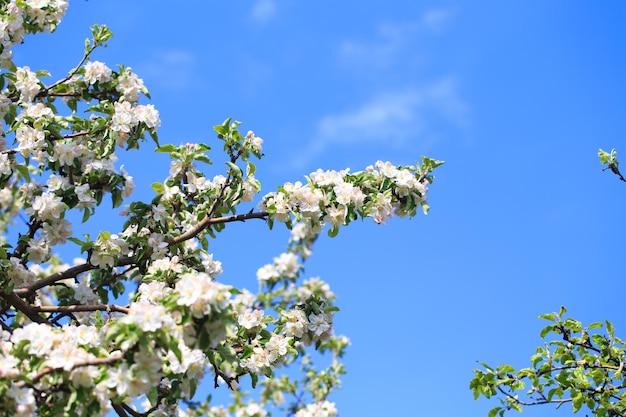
148,317
255,141
127,116
96,71
61,348
286,265
130,85
252,409
330,196
251,319
201,293
27,84
320,409
107,249
269,356
72,343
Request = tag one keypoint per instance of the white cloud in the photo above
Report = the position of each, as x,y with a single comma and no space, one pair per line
396,118
436,19
263,11
393,41
171,69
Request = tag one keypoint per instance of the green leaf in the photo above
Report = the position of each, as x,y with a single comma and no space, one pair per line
577,402
158,187
547,317
609,328
167,148
236,171
23,170
494,411
153,396
255,379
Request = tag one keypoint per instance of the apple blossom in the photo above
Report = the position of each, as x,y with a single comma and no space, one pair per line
142,316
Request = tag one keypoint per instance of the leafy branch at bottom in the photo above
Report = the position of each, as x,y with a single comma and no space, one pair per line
581,365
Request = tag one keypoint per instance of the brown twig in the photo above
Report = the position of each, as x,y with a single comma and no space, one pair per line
81,308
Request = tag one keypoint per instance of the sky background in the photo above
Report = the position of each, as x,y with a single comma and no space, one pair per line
515,96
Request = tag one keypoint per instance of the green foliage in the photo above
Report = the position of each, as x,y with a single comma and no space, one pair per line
579,365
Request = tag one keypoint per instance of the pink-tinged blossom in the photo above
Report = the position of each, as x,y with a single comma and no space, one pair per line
381,208
24,399
38,250
255,141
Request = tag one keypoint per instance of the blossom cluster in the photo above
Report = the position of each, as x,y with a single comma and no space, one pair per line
69,346
29,16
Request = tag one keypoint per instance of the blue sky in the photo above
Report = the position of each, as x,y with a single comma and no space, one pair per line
515,96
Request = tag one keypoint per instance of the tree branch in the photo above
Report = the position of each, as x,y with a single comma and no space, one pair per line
24,307
68,273
81,308
94,362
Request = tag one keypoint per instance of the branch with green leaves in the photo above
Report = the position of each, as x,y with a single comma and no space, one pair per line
578,365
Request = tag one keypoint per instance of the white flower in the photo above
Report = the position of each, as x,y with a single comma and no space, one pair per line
27,84
277,347
96,71
47,206
57,232
124,117
296,322
147,114
148,317
129,85
251,319
319,324
30,140
5,164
